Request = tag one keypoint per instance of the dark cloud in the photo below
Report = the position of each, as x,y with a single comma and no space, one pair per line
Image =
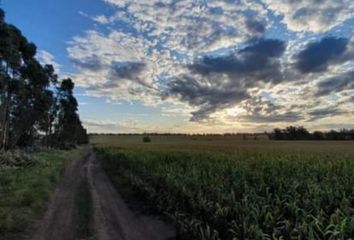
118,71
338,83
259,55
208,88
160,5
261,110
335,126
255,27
324,112
258,105
126,70
208,97
103,86
276,117
317,56
92,63
216,82
216,10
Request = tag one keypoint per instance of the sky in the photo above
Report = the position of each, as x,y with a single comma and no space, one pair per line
198,66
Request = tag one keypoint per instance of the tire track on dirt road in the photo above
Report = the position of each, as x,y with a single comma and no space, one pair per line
61,215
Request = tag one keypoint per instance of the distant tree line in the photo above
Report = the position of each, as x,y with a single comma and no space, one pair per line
288,133
301,133
35,107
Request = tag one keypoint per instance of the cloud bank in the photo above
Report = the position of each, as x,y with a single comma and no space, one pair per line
235,61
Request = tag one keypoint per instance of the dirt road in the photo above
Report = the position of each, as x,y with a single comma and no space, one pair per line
109,218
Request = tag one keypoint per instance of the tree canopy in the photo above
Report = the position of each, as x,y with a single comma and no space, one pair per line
301,133
35,107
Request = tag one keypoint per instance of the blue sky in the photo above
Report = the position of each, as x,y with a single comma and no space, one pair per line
199,66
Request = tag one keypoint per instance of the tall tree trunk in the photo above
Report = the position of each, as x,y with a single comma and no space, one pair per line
4,114
5,121
49,131
5,111
2,128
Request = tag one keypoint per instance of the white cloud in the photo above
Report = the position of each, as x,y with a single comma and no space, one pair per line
160,38
162,30
101,19
45,57
118,66
312,15
107,126
190,25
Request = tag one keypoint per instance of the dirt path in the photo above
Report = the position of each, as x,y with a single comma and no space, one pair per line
110,217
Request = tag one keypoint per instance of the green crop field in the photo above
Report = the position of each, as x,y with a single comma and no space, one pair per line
228,188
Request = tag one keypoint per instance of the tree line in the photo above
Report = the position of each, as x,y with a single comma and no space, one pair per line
288,133
35,106
301,133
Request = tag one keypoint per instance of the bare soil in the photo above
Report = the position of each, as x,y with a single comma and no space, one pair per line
110,217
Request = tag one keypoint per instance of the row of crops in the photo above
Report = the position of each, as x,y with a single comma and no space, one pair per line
242,195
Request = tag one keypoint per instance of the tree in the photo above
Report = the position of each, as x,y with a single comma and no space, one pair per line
301,133
278,134
318,135
351,134
11,41
2,15
47,123
32,105
69,130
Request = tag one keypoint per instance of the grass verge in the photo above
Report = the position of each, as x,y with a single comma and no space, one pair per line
24,191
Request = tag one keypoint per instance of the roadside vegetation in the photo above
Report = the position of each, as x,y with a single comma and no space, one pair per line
38,116
25,189
240,194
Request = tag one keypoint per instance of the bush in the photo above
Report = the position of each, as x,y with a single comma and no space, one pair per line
16,159
146,139
66,146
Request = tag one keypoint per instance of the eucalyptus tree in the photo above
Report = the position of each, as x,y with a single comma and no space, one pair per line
47,122
33,104
11,41
69,130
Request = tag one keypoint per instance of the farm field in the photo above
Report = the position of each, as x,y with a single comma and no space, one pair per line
218,143
177,120
228,188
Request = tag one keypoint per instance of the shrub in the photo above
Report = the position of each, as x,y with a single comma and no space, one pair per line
146,139
16,159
